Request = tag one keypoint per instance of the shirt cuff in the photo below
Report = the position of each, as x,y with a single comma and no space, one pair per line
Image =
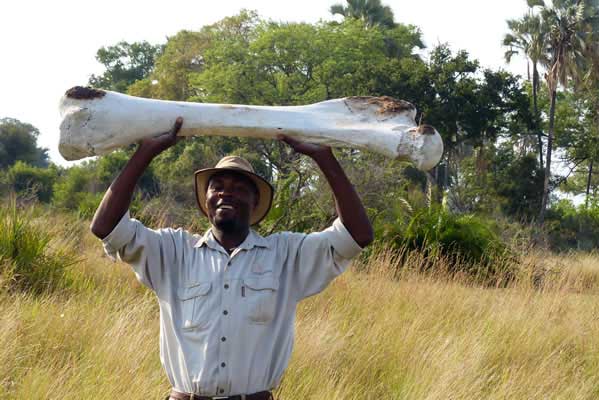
342,241
121,234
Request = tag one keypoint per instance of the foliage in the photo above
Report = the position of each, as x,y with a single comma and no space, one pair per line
27,259
518,181
571,227
125,63
25,179
18,141
370,12
467,241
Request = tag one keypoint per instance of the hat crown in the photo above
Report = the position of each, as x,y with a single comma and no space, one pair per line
236,163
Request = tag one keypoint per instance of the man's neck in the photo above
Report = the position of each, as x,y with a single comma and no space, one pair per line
229,240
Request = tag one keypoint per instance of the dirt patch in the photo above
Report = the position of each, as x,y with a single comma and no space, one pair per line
426,130
387,104
84,93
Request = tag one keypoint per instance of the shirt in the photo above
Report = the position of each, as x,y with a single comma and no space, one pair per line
227,321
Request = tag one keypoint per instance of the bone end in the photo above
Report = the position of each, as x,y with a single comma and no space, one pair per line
423,146
385,107
72,146
84,93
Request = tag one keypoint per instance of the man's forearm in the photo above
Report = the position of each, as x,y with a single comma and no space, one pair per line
118,197
349,206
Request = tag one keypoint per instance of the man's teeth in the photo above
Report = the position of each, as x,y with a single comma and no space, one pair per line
226,207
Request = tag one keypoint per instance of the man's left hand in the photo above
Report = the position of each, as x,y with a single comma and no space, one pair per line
310,149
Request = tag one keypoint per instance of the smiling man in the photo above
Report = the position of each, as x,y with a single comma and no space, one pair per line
228,298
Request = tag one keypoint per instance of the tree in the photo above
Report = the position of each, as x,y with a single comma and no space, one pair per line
18,141
27,180
371,12
528,36
125,64
573,26
185,55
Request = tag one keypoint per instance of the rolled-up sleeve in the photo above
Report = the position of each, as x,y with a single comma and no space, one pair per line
322,256
150,252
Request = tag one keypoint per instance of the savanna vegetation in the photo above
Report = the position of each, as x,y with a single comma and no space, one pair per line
482,282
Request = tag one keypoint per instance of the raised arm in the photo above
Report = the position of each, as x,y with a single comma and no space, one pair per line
117,199
349,206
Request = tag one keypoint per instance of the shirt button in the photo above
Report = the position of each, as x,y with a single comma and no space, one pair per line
223,365
225,312
229,262
226,286
223,339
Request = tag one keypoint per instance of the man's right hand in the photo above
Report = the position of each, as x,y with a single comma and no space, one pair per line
117,199
157,144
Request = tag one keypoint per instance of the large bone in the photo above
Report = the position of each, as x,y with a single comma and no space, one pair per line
96,122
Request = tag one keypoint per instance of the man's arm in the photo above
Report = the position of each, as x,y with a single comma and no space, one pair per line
349,206
117,199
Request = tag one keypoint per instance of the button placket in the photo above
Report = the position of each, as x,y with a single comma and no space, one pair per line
228,312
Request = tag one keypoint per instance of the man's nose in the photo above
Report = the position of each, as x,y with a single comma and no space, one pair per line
225,192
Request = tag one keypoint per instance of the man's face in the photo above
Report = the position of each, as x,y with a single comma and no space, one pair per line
230,199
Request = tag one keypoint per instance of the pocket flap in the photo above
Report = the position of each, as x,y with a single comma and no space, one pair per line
262,283
189,292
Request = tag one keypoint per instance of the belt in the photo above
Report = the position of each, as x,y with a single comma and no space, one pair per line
190,396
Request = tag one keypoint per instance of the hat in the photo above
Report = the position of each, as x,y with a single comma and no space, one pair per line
241,166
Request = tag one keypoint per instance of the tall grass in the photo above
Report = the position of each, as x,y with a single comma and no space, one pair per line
31,256
390,328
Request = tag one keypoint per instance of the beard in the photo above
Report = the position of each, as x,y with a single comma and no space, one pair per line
226,225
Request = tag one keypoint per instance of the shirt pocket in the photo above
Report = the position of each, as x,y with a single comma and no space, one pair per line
260,298
195,310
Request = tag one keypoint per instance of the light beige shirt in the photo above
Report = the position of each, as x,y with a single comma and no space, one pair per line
226,321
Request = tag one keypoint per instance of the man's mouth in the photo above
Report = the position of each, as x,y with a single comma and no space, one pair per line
225,207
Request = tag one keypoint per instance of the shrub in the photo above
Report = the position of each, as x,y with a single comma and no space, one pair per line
72,187
23,178
470,243
27,261
571,227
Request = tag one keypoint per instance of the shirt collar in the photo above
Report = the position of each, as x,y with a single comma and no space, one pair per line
252,240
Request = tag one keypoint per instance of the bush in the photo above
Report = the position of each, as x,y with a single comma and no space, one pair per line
23,178
571,227
27,261
469,243
73,187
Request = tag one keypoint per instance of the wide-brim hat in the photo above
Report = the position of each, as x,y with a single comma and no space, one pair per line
241,166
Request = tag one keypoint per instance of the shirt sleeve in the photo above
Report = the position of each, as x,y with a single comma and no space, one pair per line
153,254
321,257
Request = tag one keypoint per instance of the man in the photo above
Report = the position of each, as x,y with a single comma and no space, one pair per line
228,298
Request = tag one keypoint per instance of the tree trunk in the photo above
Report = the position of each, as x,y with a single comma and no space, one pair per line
548,165
586,200
535,86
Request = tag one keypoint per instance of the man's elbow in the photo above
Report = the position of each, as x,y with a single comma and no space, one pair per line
365,238
97,230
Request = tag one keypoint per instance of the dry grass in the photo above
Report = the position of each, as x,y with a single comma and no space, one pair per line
373,334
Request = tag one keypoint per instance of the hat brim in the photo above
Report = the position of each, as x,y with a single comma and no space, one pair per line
265,191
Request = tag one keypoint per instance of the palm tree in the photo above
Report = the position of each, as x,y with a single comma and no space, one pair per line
573,27
527,36
371,12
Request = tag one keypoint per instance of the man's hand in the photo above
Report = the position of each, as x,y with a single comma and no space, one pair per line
117,199
157,144
310,149
348,203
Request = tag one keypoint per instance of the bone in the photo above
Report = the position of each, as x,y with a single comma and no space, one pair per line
96,122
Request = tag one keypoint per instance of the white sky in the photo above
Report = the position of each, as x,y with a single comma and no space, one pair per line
49,46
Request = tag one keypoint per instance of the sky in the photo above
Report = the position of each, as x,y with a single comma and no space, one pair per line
47,47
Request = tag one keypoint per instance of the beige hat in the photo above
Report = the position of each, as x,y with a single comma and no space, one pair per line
242,166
